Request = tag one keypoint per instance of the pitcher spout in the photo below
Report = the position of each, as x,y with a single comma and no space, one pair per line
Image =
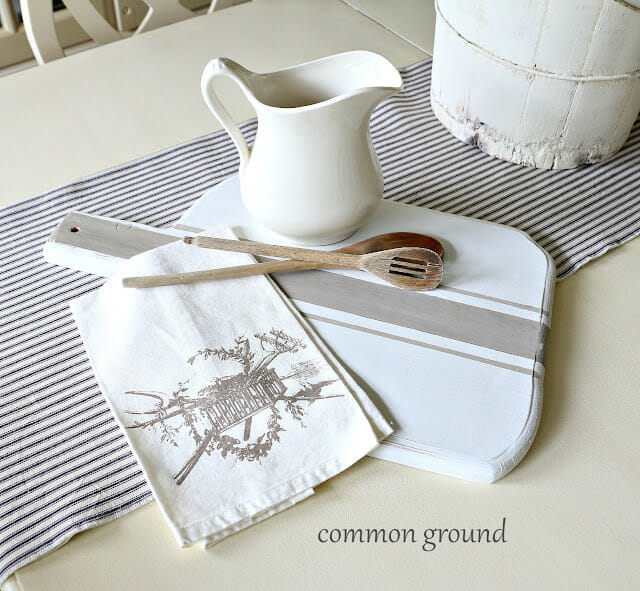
373,75
328,80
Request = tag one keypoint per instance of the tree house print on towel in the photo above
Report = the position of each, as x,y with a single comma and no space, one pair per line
232,400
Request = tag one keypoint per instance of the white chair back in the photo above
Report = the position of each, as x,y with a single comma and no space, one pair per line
40,28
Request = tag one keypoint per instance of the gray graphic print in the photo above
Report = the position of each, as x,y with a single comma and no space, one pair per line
232,400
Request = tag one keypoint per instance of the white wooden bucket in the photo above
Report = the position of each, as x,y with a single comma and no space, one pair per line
546,83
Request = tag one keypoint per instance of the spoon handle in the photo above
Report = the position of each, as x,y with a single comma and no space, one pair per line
217,274
298,254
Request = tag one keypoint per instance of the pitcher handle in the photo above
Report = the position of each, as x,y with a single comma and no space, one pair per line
222,66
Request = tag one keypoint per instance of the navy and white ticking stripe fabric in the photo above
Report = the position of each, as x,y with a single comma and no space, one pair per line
64,466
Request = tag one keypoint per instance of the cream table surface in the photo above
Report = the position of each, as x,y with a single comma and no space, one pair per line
571,507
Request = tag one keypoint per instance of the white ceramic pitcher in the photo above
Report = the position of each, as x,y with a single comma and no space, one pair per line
312,175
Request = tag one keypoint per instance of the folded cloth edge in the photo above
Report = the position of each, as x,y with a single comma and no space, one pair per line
207,542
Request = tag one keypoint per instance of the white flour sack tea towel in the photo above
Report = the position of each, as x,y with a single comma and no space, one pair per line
232,405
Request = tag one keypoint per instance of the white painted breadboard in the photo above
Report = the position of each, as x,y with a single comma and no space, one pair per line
459,370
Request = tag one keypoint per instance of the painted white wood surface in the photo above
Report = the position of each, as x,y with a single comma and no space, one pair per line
412,20
462,407
546,84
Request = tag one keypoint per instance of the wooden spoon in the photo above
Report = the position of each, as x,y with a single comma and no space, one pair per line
372,244
392,240
406,267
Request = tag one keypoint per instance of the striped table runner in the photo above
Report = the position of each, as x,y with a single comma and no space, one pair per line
64,466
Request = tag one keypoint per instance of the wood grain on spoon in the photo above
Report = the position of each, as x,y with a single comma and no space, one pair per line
411,268
393,240
406,273
371,244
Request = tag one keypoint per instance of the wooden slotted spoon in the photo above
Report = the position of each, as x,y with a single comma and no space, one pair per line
411,268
